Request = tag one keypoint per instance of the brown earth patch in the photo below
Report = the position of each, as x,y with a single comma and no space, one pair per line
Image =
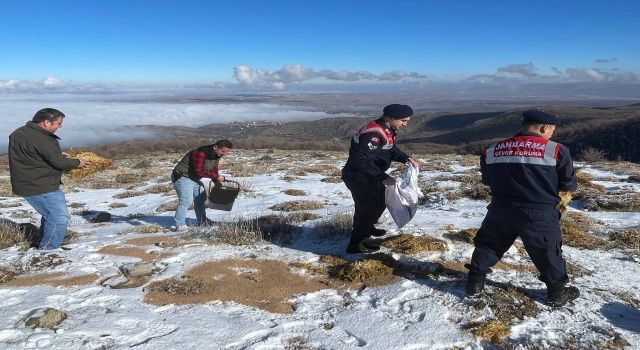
133,252
264,284
57,279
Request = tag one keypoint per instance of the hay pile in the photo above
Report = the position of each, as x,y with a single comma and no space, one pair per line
492,331
409,244
364,271
96,163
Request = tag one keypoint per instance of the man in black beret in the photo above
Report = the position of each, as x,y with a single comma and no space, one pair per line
525,174
372,150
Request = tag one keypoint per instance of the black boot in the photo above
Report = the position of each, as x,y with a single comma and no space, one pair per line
378,232
558,295
475,284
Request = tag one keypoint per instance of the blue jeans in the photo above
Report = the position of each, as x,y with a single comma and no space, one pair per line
55,217
190,191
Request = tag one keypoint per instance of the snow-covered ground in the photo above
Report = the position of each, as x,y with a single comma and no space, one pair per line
411,313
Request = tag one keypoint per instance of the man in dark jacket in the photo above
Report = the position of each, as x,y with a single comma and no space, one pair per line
525,174
187,175
36,164
372,150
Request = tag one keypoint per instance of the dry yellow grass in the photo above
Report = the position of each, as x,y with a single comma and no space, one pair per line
575,231
295,192
409,244
492,331
11,235
368,271
467,235
97,163
298,205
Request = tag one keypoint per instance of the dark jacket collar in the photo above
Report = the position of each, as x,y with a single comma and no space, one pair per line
36,127
527,133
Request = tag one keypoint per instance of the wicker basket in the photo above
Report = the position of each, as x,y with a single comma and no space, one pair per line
221,196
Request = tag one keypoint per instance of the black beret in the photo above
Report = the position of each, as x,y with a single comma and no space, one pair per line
540,117
396,111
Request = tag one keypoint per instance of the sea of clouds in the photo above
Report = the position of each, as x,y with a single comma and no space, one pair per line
91,122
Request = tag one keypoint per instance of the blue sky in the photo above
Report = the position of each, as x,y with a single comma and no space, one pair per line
204,41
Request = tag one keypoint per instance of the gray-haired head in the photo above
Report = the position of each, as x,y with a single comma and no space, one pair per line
49,114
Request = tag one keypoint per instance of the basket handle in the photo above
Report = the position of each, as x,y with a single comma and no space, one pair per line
215,184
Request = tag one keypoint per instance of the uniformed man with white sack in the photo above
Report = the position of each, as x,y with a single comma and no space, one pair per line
372,151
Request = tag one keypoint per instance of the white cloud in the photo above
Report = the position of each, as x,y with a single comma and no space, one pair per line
295,74
97,122
519,69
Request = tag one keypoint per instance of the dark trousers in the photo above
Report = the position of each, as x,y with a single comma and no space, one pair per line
540,232
368,197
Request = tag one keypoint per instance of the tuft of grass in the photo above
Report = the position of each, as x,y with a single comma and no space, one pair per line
334,227
128,194
622,201
127,178
332,179
467,235
627,238
115,205
298,205
301,216
177,286
492,331
587,189
364,271
151,228
477,191
295,192
160,188
297,343
235,232
11,235
575,231
409,244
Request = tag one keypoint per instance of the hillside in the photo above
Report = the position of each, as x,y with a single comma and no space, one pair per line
273,274
612,130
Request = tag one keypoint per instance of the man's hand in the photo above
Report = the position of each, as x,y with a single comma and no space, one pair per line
220,178
83,163
390,181
413,162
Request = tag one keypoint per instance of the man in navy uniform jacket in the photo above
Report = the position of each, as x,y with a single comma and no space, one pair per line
525,174
372,150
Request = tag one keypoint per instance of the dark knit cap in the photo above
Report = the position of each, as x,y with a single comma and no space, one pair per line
396,111
540,117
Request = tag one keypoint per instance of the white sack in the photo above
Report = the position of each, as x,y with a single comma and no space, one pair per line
402,198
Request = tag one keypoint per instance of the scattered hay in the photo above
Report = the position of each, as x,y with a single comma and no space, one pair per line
116,205
467,235
247,282
332,260
101,184
133,252
575,231
294,192
624,296
476,191
128,194
5,188
369,271
492,331
44,261
96,163
301,216
298,205
509,303
409,244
